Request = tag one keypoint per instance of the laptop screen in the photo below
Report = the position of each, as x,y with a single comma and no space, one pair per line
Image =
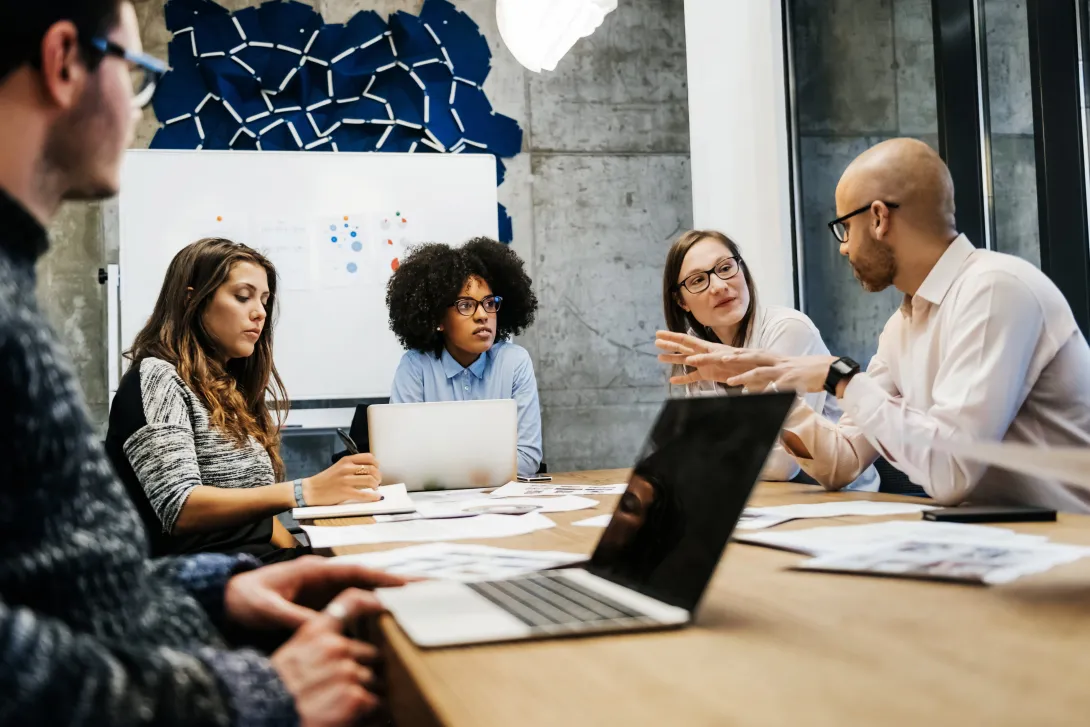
686,493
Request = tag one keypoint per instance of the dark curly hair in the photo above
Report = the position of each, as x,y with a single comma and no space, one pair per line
431,276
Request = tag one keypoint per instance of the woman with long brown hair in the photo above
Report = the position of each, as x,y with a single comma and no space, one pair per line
195,426
709,293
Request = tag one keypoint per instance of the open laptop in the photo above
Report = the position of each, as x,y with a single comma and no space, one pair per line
654,560
446,445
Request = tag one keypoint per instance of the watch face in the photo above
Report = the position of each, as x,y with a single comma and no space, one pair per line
842,367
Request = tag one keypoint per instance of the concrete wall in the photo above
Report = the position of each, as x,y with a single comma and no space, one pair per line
865,72
601,188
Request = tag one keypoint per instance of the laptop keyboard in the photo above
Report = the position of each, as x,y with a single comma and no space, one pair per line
550,603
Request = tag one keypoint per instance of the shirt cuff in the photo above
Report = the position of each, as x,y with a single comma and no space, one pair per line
863,397
257,696
204,576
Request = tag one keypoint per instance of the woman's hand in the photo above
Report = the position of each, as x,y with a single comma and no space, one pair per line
353,479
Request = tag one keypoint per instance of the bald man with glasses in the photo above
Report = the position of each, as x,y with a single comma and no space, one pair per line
983,348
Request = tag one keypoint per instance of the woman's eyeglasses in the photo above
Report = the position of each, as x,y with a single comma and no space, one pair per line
146,70
468,306
698,282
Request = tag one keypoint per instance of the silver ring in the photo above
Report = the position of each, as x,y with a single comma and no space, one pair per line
773,387
337,611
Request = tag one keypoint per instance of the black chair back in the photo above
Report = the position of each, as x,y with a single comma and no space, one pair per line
896,482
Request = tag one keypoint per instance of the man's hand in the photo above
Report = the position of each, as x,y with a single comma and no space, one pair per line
287,595
803,374
709,361
327,673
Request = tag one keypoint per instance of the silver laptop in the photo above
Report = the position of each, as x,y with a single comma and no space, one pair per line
654,560
446,445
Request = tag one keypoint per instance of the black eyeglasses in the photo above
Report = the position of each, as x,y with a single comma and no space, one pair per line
146,70
468,306
699,281
840,231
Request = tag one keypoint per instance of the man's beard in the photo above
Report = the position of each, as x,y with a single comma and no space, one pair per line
876,266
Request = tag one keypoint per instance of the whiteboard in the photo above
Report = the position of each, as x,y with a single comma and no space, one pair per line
332,337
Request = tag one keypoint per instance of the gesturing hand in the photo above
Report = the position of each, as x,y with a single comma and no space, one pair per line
328,674
709,361
352,479
804,374
288,595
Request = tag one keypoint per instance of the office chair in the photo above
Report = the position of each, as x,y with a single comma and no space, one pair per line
896,482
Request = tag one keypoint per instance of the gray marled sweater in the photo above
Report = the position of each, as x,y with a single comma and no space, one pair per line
91,631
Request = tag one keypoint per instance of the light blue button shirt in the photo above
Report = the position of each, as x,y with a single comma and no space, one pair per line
504,372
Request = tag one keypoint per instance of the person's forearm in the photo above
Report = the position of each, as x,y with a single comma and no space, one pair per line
214,508
53,675
822,450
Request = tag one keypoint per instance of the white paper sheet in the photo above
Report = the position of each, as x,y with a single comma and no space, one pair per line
758,518
443,496
599,521
547,489
460,562
288,246
567,503
849,538
988,562
394,499
470,528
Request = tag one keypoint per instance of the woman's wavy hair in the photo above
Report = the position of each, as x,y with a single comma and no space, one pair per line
242,394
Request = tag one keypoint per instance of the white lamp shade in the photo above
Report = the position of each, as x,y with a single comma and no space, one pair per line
539,32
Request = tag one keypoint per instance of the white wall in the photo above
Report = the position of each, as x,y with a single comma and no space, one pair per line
738,134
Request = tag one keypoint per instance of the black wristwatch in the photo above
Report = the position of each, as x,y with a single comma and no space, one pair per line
840,370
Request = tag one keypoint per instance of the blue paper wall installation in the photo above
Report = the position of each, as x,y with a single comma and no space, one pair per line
276,77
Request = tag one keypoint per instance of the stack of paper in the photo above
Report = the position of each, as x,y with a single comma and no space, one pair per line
456,562
394,499
529,489
452,508
758,518
923,549
853,538
471,528
984,563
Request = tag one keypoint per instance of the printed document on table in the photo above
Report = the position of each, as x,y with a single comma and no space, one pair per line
531,489
461,562
471,528
970,562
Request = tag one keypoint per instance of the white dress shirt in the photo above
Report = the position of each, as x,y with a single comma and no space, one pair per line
787,332
987,349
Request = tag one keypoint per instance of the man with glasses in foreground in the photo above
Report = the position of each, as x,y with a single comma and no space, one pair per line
984,347
91,631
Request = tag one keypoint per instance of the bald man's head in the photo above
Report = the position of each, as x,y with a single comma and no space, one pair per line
907,172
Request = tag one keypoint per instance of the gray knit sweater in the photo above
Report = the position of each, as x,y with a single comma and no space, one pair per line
163,445
91,631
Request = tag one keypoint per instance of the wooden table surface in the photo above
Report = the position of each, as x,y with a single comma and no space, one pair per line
772,646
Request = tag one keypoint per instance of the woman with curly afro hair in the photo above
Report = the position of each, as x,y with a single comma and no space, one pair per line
455,309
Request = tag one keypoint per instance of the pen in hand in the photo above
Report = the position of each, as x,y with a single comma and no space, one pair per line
352,448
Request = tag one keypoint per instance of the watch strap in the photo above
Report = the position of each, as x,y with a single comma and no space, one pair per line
841,369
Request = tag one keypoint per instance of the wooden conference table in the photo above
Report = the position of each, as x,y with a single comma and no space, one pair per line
772,646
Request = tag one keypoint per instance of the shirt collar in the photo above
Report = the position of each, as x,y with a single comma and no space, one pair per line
23,234
452,368
938,282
